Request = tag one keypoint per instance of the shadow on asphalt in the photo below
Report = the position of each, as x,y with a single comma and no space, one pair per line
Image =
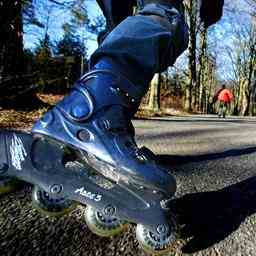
207,218
210,217
171,160
184,134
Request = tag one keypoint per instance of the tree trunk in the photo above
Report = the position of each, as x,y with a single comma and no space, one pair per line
191,91
245,102
203,66
154,96
252,100
11,41
187,104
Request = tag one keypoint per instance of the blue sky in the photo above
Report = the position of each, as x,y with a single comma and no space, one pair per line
32,35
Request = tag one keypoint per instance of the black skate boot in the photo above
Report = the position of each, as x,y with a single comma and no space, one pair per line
84,150
95,119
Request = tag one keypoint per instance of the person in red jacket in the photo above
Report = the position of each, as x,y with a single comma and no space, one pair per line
224,96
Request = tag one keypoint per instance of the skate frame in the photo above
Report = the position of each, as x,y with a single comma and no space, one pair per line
41,162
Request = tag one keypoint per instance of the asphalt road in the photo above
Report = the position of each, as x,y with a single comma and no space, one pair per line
214,162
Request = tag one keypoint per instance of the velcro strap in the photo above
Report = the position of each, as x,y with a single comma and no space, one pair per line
107,88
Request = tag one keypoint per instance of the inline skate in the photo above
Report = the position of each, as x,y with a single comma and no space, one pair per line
83,151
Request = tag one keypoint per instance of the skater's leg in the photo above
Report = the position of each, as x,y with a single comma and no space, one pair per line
114,11
96,116
224,109
137,48
221,109
146,43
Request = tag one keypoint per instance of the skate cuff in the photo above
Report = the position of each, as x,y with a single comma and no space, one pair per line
108,88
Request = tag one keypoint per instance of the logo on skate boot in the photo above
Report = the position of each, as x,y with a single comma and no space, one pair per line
18,152
83,192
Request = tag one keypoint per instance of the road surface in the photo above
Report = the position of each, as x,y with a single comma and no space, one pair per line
214,162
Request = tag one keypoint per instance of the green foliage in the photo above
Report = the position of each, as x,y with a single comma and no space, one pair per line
43,58
71,46
97,25
29,14
58,66
29,61
43,50
79,13
80,24
73,51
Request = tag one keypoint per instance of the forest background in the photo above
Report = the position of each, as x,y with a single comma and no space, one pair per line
45,46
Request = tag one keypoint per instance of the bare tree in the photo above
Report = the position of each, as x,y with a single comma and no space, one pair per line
243,60
190,92
154,93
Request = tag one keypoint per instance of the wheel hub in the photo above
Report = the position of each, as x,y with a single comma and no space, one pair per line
159,242
102,224
51,204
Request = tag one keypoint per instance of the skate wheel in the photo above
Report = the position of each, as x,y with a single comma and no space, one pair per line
103,225
51,205
154,243
8,185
